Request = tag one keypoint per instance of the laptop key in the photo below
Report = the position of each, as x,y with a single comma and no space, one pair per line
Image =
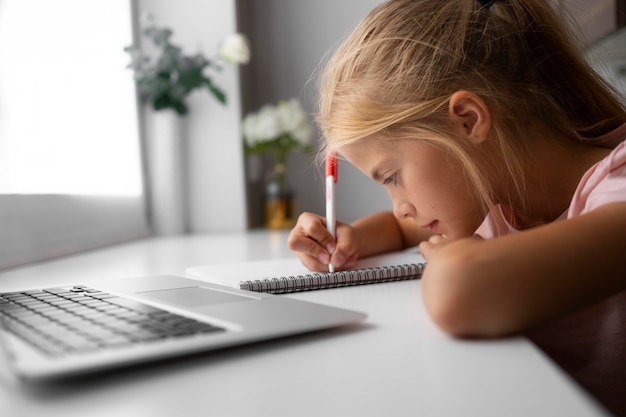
60,321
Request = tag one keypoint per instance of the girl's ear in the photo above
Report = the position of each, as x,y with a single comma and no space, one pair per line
471,114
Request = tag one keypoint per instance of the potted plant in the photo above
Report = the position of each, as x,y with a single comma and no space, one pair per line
167,76
276,130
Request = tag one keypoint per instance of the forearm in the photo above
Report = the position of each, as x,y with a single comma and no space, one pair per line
511,284
382,232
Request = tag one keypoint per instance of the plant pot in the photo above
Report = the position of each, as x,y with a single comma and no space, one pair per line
166,174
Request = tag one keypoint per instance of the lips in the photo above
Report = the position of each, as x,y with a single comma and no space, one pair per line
433,226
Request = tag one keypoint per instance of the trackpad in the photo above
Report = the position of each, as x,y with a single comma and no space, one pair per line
194,296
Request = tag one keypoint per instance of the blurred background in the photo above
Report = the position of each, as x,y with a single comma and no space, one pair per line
86,161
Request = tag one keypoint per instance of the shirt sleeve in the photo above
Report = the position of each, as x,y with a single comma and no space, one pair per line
603,184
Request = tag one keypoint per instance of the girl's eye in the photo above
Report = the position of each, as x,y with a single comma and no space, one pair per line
390,179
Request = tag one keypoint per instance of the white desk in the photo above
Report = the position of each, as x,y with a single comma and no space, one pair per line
397,363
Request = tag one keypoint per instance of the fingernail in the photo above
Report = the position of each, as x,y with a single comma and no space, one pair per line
324,257
330,247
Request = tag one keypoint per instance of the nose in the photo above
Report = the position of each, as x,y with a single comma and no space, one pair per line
403,210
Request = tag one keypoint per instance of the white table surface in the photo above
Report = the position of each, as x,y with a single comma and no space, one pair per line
397,363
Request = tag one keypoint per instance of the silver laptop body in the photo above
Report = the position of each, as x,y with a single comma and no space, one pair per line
240,317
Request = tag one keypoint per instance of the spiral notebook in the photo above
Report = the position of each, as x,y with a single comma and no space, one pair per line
289,275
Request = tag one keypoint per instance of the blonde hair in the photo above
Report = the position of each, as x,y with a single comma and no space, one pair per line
393,76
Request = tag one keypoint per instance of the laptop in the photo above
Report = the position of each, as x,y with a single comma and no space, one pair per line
68,330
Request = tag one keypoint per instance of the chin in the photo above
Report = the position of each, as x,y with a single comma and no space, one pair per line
457,234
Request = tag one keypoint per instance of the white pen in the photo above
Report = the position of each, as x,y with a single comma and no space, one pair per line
331,180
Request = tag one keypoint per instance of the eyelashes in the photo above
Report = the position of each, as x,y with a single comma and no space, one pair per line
390,179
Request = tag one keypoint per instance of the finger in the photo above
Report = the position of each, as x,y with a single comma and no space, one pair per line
304,239
436,239
306,246
351,262
340,262
312,263
314,227
426,249
345,254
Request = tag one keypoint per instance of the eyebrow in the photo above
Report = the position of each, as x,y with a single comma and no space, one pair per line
379,166
375,173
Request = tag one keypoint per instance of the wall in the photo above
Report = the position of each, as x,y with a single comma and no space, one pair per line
214,154
289,41
597,18
608,58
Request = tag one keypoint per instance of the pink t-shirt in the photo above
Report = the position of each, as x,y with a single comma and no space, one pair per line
589,344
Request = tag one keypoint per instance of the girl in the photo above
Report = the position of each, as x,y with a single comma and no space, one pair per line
502,153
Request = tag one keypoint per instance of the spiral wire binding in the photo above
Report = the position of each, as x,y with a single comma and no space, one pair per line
322,280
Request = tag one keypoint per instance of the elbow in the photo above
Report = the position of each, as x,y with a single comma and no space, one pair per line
446,301
457,302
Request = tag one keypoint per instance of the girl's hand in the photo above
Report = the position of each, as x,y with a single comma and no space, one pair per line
434,243
316,247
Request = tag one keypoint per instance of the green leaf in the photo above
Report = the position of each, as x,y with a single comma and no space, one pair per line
217,92
181,108
166,77
190,77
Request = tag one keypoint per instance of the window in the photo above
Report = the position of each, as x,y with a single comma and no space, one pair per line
70,159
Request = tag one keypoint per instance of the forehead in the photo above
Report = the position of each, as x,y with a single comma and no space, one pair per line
364,147
372,148
372,156
368,151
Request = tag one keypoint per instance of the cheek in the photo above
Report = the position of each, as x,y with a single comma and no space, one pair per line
447,196
437,185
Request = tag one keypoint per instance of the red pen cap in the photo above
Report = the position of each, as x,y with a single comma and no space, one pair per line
331,165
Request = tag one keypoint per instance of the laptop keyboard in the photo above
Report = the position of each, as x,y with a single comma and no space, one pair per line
76,319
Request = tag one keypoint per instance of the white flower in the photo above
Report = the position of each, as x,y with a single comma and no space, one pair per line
277,129
235,49
293,120
261,126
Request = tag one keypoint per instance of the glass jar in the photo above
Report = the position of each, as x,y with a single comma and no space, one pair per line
279,200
